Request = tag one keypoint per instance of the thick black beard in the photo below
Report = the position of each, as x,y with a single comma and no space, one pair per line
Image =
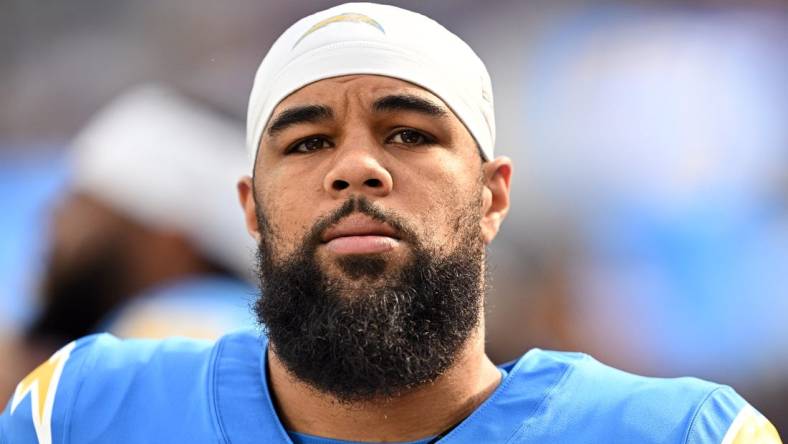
386,338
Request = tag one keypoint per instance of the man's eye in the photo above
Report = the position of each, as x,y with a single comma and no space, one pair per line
409,137
308,145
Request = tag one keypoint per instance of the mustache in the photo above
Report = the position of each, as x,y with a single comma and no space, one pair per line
361,205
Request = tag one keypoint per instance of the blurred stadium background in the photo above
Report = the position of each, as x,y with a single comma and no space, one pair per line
650,140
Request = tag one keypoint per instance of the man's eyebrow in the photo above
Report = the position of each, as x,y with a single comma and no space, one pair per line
299,114
408,102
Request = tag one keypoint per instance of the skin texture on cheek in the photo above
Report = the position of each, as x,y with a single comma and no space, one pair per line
436,192
447,211
287,218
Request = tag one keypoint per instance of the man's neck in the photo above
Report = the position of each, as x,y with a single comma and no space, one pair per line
422,412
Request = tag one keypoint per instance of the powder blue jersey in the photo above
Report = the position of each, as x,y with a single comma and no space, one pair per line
100,389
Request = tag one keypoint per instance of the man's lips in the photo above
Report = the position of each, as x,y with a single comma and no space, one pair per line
360,234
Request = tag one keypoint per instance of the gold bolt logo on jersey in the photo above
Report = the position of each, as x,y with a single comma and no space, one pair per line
750,427
41,384
341,18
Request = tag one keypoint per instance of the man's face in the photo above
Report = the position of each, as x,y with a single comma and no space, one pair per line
371,207
382,138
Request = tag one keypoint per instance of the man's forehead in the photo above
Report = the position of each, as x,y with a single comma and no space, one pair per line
364,86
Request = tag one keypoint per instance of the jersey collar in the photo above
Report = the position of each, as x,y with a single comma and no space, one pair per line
245,410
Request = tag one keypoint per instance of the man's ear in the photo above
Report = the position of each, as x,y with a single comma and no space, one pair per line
249,206
497,175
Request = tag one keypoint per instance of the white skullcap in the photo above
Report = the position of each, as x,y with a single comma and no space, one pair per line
167,163
367,38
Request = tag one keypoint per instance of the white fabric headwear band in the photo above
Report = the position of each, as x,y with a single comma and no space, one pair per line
367,38
168,163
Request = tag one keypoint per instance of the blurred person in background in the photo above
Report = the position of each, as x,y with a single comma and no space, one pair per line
147,240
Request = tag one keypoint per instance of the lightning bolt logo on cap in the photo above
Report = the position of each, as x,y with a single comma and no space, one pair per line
41,384
350,17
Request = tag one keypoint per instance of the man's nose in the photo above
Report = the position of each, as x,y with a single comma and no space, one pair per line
357,168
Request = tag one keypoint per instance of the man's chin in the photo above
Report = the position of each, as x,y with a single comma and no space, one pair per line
366,267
